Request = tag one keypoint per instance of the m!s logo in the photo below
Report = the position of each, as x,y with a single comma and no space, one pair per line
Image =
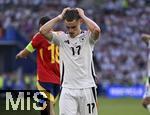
26,100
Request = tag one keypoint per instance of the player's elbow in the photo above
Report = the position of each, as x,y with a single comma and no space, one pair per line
97,32
42,31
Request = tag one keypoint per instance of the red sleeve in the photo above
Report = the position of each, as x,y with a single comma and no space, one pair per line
36,40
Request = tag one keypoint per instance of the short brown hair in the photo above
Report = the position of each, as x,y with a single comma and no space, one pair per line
71,15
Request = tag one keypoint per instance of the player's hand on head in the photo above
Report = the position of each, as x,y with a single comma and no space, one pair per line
63,12
81,12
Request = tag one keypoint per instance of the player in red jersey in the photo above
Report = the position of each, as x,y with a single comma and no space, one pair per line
48,75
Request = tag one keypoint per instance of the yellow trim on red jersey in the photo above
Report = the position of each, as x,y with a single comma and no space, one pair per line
37,77
41,53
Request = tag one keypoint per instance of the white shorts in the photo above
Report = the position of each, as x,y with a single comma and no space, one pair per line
78,101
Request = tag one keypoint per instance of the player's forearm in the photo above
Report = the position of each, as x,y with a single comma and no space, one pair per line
93,27
23,54
49,25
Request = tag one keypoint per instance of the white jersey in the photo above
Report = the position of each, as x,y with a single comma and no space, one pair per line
147,84
76,59
147,89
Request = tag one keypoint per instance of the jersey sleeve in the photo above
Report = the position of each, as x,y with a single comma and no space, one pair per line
34,43
36,40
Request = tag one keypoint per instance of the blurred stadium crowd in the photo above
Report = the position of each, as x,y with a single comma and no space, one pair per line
120,55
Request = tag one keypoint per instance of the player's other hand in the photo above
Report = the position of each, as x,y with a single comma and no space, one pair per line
145,102
63,12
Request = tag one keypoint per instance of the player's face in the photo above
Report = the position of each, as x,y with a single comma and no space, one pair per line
73,27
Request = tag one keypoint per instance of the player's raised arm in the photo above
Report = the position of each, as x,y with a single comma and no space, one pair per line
47,28
93,27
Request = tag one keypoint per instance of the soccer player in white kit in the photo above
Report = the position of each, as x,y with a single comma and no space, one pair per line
78,95
146,97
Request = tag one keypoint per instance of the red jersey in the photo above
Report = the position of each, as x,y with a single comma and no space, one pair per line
47,60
